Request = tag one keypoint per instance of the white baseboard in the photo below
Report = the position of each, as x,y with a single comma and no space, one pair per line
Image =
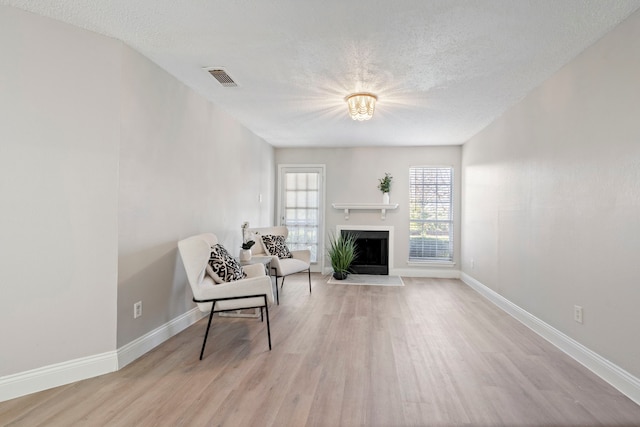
622,380
39,379
138,347
435,273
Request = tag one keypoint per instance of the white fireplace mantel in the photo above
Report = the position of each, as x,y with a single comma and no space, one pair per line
365,206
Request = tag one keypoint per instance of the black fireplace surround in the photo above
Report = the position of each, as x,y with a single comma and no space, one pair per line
372,251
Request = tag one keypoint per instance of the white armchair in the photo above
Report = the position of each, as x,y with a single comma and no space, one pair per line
255,291
300,261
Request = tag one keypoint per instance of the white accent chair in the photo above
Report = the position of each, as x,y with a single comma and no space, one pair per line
255,291
300,262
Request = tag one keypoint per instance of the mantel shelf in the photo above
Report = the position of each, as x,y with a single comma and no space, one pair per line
365,206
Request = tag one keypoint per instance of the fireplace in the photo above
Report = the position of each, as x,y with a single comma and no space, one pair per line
373,251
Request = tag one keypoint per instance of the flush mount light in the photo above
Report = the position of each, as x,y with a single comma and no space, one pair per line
361,105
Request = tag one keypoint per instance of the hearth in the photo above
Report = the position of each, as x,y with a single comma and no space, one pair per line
373,251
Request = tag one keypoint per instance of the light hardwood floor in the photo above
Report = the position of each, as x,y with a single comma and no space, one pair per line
432,353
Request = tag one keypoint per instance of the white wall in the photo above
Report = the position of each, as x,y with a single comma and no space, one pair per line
185,168
58,191
352,177
106,161
551,199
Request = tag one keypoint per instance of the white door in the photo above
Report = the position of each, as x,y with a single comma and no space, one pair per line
301,206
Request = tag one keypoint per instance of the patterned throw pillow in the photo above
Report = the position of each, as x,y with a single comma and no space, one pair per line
275,245
224,265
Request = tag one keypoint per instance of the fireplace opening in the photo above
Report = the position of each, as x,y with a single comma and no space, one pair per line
373,251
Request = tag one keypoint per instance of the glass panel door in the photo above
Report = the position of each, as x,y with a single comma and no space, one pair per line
301,196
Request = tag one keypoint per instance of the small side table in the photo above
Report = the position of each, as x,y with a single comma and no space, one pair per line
264,260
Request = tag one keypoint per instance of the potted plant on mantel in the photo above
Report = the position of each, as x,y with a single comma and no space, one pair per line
385,186
342,251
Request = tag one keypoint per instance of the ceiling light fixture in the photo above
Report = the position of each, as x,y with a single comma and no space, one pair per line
361,105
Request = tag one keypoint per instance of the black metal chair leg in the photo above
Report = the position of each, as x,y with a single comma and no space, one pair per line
309,271
213,310
266,307
281,284
206,334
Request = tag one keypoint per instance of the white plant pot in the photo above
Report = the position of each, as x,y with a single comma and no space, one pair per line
245,254
385,198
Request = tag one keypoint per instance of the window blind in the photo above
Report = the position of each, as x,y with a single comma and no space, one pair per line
431,214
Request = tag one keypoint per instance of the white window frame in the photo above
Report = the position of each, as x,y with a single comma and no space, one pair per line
450,221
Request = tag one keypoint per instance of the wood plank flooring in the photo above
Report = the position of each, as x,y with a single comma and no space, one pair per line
431,353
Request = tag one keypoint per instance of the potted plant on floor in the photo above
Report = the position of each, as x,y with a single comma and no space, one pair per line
342,251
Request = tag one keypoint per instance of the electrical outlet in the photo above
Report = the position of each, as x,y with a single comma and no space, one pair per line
577,313
137,309
473,263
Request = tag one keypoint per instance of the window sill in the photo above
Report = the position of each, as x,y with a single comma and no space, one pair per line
442,264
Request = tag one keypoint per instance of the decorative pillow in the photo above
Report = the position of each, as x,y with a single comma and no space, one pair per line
275,246
224,266
213,275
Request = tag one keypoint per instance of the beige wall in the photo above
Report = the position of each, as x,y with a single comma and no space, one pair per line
352,177
185,168
106,161
58,191
551,199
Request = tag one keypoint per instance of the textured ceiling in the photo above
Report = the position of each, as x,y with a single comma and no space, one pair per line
442,70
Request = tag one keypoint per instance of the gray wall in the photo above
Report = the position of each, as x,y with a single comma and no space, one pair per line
551,199
59,114
352,177
105,162
185,168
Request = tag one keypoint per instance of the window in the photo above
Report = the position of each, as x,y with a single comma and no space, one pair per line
301,198
431,214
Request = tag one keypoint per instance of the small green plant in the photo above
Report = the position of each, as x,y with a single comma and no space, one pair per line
385,183
342,251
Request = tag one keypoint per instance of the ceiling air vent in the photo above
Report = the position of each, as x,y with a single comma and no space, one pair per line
222,77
